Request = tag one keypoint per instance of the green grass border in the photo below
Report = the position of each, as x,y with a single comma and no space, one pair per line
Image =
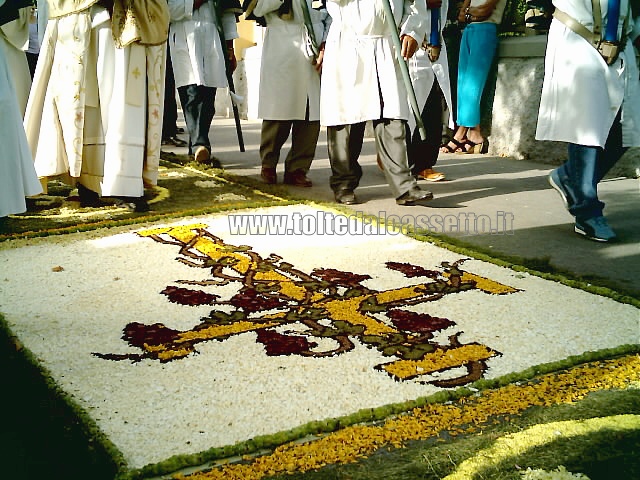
260,444
264,444
279,197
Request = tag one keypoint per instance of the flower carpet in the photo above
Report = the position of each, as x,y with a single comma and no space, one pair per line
186,342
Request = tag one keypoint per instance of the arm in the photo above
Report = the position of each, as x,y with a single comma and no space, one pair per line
266,6
230,30
413,28
326,23
468,13
181,10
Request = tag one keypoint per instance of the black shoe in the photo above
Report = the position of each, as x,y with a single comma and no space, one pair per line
89,198
135,204
413,197
175,141
346,197
215,162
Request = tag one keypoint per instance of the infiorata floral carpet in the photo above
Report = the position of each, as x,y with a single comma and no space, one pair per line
191,341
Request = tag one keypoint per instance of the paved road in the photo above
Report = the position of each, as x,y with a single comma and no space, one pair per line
512,196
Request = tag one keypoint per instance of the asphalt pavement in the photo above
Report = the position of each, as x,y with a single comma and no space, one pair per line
499,205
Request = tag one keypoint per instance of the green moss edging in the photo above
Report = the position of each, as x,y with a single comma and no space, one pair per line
263,444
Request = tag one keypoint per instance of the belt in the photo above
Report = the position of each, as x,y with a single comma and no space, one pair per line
607,49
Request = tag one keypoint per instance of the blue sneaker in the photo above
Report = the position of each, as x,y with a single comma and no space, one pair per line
556,182
595,228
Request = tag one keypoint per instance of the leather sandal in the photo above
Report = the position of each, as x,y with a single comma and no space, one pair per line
449,148
467,146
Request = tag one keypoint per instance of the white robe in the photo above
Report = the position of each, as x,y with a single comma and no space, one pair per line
14,40
424,72
197,54
581,95
360,64
17,176
95,111
288,79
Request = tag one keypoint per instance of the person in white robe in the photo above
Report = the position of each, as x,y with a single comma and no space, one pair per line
289,97
429,70
362,81
94,116
200,59
18,177
14,40
593,106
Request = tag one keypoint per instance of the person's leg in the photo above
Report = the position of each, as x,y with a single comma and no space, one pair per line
613,150
198,106
32,60
586,166
423,154
345,144
304,138
391,145
170,118
476,60
272,136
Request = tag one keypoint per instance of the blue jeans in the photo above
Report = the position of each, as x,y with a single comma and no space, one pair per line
585,168
198,107
477,50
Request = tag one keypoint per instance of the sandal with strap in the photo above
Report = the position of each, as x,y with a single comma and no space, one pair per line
449,148
467,146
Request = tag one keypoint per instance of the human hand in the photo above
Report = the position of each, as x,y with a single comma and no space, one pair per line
233,61
318,63
409,46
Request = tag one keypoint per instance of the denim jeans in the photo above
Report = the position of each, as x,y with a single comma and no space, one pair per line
585,168
198,107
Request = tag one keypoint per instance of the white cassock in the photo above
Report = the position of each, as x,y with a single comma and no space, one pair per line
14,40
17,176
95,111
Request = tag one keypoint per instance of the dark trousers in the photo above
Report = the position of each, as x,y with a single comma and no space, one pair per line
198,106
345,145
170,119
423,154
32,60
304,138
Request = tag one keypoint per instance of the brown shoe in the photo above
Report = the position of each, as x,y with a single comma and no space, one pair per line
297,179
430,175
269,176
202,155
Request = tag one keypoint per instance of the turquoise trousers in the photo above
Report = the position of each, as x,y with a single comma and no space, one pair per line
477,50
